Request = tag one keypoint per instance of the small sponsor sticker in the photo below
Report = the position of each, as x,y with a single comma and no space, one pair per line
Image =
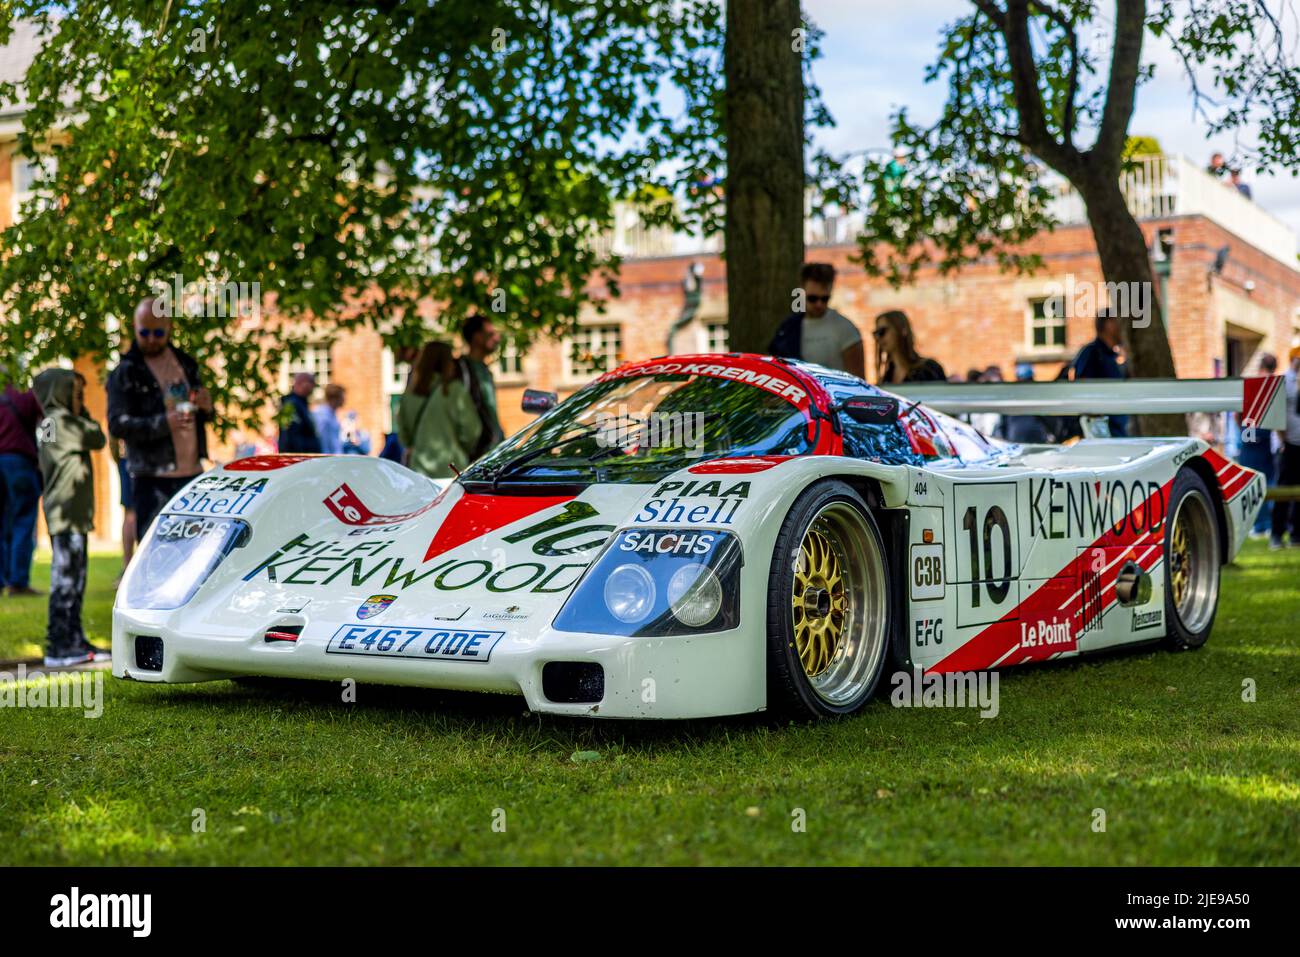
374,605
1148,619
927,572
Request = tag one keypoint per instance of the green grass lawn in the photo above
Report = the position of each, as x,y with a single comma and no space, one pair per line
1186,772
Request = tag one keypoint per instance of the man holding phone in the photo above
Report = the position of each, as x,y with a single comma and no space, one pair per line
158,406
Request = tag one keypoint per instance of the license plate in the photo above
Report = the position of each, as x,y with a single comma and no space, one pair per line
429,644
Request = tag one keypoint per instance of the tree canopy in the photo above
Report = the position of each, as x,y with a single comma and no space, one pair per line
355,160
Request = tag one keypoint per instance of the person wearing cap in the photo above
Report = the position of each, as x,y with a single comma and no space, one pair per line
1288,513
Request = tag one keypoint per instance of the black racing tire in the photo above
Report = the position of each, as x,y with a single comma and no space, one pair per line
826,653
1193,558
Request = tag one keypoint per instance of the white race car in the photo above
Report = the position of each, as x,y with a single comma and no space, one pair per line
704,535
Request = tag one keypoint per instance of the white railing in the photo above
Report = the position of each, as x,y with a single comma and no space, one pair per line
1157,187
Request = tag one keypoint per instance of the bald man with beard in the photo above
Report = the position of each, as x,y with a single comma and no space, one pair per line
158,406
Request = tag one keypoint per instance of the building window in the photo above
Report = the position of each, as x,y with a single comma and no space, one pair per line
510,361
1047,323
715,337
592,350
395,375
314,359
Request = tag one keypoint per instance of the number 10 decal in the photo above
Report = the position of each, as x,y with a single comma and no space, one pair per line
997,588
987,551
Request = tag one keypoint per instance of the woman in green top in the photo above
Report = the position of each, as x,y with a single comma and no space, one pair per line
436,419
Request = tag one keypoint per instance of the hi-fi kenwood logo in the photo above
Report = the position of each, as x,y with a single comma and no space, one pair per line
102,910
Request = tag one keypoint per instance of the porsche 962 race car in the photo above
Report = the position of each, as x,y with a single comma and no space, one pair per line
704,535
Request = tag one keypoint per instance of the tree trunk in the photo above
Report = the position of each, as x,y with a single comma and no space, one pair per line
1126,260
763,122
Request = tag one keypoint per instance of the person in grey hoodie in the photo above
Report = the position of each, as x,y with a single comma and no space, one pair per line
64,439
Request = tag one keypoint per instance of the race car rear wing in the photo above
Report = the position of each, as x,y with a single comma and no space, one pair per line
1260,400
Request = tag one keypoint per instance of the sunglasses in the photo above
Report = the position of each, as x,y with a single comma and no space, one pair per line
879,333
818,298
156,333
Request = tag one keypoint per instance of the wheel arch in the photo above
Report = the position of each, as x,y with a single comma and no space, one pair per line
1202,468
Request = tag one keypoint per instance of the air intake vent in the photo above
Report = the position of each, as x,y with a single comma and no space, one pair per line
283,633
148,652
573,682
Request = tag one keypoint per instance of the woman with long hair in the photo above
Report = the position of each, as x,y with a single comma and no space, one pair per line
897,360
436,418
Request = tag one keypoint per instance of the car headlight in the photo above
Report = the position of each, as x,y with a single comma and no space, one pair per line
694,595
656,581
629,593
182,553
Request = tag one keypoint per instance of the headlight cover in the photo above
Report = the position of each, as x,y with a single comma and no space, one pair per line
183,551
658,582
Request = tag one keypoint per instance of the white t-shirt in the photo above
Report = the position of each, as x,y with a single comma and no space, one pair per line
824,340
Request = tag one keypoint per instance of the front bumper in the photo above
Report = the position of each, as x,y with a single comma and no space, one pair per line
680,677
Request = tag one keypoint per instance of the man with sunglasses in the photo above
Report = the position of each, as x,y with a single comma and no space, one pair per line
158,406
820,334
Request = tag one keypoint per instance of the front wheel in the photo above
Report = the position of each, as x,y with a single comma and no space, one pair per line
1192,560
828,605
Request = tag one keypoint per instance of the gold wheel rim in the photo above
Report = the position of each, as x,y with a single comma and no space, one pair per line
1180,562
818,602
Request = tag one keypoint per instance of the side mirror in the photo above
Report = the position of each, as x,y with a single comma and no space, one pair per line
536,401
871,409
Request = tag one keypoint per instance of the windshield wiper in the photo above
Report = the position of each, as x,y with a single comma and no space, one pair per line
513,465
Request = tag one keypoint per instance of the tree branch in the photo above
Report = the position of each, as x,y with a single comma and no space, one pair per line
1130,28
1034,133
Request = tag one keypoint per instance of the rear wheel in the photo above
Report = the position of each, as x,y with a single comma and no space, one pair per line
1192,561
828,607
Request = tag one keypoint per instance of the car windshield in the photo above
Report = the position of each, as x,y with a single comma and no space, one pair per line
640,428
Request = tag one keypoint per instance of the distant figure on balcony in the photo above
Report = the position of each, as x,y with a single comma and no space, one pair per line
897,360
820,334
1218,167
1099,359
1234,177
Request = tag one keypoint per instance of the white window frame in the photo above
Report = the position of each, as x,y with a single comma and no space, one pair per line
600,335
309,361
1048,323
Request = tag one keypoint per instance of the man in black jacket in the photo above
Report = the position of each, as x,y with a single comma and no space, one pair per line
158,406
1099,359
297,426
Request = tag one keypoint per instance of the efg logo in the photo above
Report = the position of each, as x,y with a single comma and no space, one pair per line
134,911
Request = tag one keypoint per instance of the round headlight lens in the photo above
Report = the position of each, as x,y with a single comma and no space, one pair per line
695,595
629,593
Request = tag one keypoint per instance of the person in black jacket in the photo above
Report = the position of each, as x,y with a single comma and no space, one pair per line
1099,359
298,428
158,406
